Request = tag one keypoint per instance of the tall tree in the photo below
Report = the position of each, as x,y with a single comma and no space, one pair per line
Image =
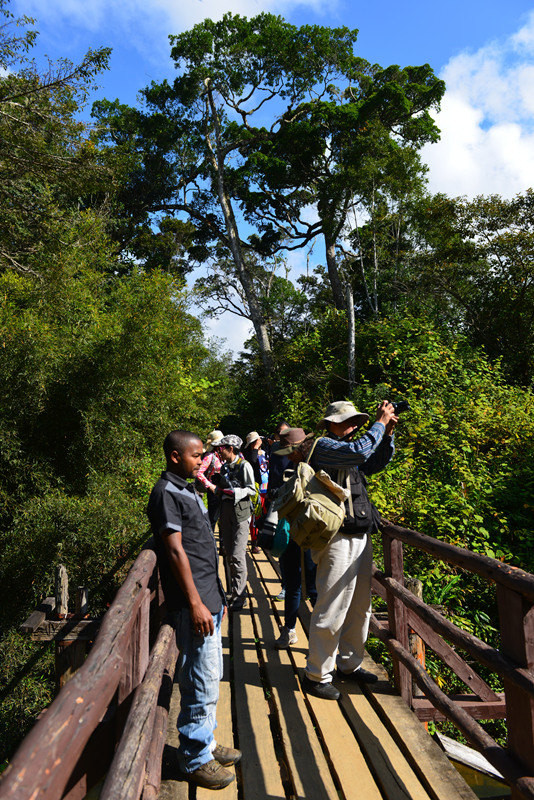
265,124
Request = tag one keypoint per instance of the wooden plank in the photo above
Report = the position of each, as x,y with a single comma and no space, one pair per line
66,630
173,787
259,767
478,709
343,756
427,760
392,772
38,616
224,732
308,768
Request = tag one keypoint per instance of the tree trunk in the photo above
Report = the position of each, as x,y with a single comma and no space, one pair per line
333,273
256,316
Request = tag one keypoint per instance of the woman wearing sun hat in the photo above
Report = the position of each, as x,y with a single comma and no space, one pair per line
211,466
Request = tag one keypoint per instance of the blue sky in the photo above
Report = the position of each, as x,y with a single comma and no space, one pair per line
484,49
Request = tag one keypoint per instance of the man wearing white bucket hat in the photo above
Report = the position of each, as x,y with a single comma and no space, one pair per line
340,618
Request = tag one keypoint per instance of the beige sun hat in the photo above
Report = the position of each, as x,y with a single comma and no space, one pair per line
253,436
213,439
342,410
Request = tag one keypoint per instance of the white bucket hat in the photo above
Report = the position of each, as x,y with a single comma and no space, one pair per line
342,410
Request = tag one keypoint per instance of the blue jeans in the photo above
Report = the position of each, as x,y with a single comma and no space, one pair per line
290,566
199,673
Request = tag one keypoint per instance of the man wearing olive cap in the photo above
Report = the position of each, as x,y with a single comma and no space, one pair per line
340,618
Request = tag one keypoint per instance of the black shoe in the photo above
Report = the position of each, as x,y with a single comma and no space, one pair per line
360,675
326,691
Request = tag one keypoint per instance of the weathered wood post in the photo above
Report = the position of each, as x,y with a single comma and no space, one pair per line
417,646
397,617
517,641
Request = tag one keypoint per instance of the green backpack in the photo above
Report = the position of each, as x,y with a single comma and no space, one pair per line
313,504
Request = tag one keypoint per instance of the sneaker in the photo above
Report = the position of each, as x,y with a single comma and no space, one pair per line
255,549
227,756
211,775
281,595
360,675
326,691
287,637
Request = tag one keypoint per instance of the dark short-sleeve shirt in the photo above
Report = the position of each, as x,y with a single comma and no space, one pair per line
174,505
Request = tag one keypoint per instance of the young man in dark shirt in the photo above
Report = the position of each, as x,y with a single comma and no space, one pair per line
188,562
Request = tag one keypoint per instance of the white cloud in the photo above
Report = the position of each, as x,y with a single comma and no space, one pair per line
487,120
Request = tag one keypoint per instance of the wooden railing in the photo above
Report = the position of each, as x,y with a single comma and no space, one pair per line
111,717
513,662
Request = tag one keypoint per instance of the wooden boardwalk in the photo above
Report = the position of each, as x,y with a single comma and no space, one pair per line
367,746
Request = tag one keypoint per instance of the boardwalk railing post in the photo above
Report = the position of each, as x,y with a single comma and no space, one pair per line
397,616
517,641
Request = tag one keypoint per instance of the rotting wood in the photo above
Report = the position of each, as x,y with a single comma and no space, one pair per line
124,779
38,616
62,592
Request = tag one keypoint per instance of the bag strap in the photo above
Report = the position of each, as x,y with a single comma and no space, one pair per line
313,448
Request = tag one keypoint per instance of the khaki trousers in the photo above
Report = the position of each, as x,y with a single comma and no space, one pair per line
340,619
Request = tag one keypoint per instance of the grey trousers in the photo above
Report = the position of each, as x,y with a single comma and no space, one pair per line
234,537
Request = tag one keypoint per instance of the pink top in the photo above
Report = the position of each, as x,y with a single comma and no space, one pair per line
211,463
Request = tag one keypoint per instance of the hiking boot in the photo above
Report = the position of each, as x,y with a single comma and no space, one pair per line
227,756
287,637
211,775
360,675
281,595
326,691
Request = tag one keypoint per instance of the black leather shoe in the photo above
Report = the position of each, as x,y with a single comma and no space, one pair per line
360,675
326,691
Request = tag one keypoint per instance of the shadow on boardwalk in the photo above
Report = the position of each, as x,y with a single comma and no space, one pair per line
367,746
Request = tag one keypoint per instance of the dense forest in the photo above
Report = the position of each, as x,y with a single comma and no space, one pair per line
271,139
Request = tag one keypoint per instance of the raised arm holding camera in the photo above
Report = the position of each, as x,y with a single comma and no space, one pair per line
340,618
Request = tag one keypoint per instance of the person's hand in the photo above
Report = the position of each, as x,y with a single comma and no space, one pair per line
201,620
386,415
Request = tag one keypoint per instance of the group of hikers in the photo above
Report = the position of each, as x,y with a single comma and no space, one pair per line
338,572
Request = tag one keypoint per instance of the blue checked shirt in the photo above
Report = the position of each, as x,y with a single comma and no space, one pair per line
370,453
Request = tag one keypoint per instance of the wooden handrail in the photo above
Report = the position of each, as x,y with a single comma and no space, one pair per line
43,764
484,653
489,568
514,662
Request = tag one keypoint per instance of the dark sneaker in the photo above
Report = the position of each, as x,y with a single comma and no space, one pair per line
211,775
226,755
326,691
360,675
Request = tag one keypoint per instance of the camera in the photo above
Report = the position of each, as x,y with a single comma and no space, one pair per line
402,405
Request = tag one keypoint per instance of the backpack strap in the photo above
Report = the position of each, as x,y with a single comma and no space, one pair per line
344,476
